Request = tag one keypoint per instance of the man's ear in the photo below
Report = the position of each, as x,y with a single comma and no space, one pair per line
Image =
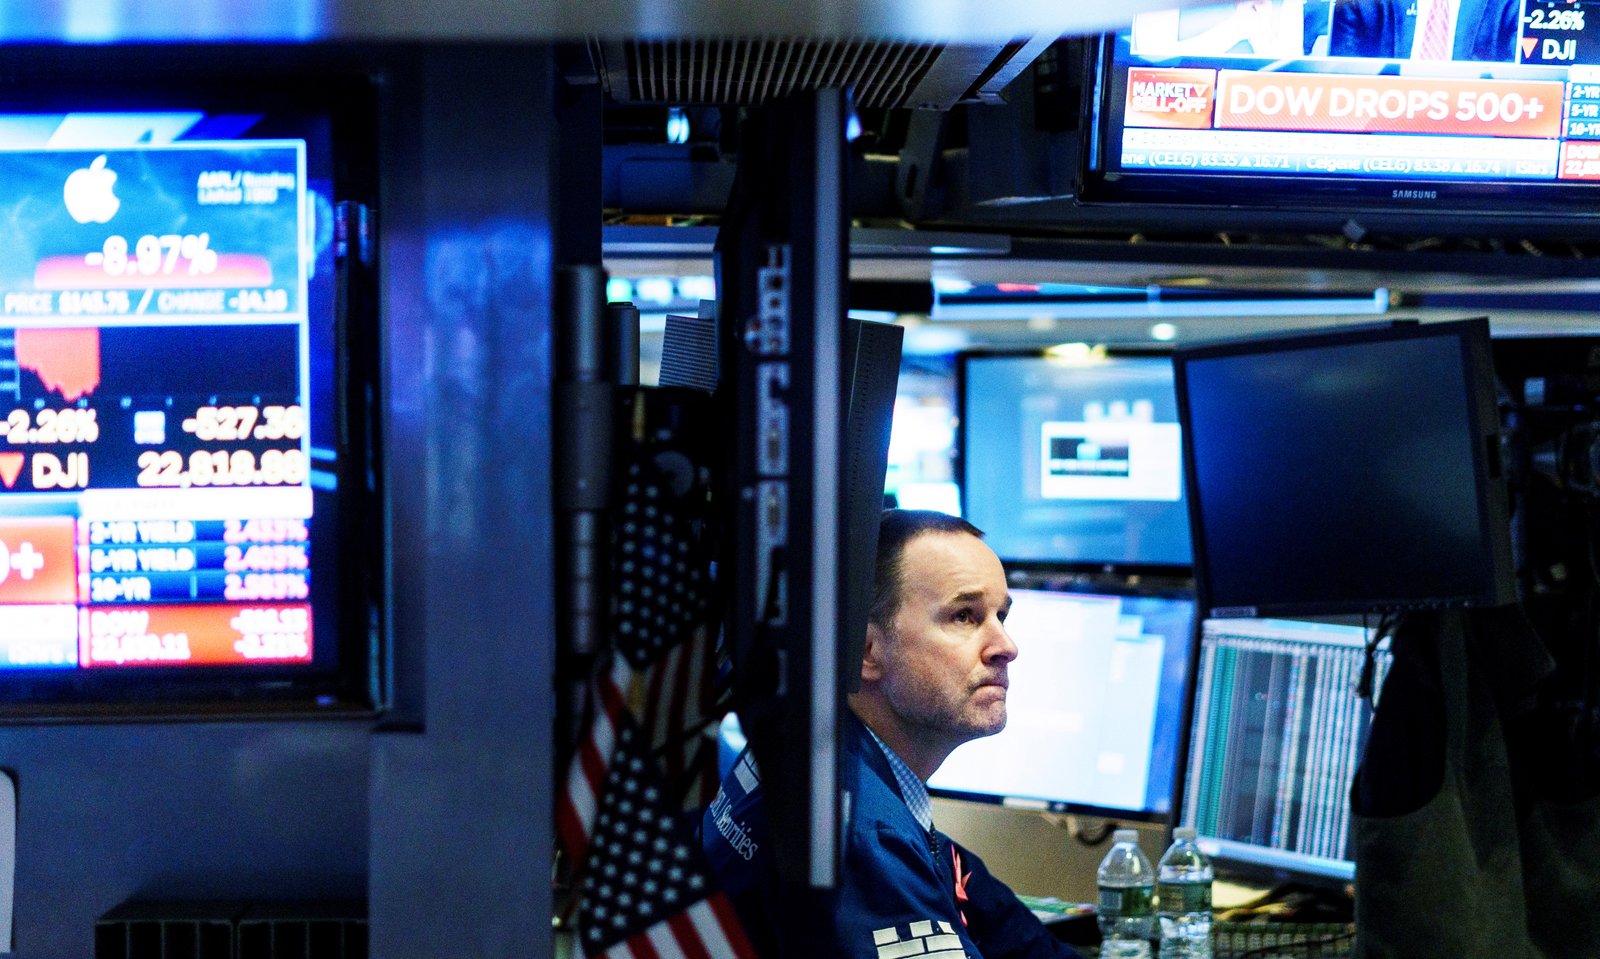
872,656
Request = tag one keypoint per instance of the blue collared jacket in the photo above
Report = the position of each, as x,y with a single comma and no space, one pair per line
898,893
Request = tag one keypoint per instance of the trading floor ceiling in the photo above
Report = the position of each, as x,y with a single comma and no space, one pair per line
111,21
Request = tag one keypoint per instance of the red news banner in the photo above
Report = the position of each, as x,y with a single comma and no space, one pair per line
1185,98
194,634
1580,161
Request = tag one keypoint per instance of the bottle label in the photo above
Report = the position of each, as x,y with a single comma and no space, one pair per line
1185,896
1132,901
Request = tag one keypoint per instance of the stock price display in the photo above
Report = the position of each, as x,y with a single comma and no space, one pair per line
1559,32
156,411
155,455
142,407
207,230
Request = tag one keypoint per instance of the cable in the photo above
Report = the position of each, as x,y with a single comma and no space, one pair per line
1386,625
1074,828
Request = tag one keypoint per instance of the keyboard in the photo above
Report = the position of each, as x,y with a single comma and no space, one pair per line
1272,940
1282,940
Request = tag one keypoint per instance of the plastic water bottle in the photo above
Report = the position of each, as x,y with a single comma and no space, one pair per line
1126,910
1183,885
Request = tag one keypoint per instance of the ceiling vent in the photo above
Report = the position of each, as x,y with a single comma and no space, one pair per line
751,71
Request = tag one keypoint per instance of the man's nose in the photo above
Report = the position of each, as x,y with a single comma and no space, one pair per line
1000,649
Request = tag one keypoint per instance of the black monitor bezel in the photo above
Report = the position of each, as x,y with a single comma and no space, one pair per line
343,108
1472,337
1111,570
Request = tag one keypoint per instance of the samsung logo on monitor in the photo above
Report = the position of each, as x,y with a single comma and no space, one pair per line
1414,194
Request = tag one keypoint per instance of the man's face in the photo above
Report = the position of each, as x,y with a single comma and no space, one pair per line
942,667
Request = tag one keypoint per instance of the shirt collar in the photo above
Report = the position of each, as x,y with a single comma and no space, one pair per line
912,789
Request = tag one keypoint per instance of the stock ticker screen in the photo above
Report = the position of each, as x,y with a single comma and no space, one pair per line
1409,90
159,447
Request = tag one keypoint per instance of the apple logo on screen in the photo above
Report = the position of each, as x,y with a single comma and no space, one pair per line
88,193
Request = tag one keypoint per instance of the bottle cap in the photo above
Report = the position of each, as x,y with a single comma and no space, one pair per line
1126,835
1184,832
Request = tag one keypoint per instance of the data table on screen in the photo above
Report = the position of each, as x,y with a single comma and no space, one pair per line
156,457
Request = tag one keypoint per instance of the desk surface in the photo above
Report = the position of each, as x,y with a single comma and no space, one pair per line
1231,895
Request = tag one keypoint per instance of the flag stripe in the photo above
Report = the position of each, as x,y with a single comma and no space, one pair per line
570,828
575,812
655,720
663,713
692,692
640,947
728,923
677,714
677,699
706,679
586,780
664,938
595,754
611,695
687,932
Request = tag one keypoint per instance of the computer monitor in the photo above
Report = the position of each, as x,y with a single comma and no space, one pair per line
1277,731
1094,710
1319,112
188,455
1346,471
1076,463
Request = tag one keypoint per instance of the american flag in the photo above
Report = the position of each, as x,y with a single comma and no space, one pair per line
671,705
645,759
680,714
579,802
663,673
646,890
661,574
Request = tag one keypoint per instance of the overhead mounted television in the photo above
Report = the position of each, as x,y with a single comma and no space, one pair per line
188,473
1094,710
1346,471
1350,106
1073,462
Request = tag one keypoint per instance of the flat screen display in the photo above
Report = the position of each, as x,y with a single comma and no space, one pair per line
1346,472
1075,463
1398,104
1277,732
174,444
1093,710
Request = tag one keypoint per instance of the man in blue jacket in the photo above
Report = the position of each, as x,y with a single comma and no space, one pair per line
933,676
1478,31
